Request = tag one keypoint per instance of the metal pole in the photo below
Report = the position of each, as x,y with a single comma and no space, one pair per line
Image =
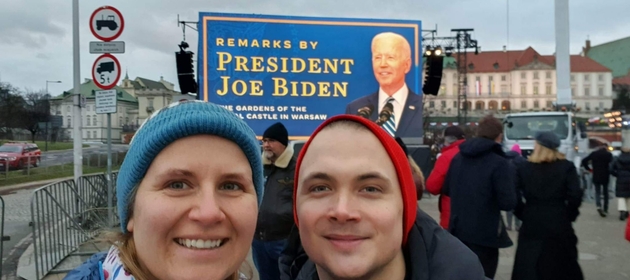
110,195
46,149
563,56
78,147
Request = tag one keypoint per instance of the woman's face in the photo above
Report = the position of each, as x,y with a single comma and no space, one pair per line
195,211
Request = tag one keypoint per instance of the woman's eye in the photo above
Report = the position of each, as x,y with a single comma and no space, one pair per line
178,185
230,187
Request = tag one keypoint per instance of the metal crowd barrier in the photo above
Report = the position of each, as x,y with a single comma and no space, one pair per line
65,215
1,233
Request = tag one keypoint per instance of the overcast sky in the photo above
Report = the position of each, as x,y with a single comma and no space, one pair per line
36,35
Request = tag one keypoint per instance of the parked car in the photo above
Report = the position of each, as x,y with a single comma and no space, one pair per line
18,155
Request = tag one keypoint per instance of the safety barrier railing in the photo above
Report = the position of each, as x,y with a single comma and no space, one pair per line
2,233
65,215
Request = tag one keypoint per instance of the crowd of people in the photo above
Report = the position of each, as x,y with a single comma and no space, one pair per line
195,195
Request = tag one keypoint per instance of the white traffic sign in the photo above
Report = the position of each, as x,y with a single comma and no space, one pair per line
106,101
107,47
107,23
106,71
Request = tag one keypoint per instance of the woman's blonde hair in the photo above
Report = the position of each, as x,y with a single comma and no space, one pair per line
543,154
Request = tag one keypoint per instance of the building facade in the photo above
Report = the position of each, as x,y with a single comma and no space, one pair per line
136,99
501,82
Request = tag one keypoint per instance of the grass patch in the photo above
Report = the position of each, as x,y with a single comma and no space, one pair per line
51,146
46,173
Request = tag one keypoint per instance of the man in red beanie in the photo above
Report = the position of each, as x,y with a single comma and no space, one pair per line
356,213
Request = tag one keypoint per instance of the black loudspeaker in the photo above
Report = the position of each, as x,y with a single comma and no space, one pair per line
433,76
421,154
186,72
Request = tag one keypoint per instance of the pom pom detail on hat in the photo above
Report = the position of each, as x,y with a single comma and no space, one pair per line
396,154
176,121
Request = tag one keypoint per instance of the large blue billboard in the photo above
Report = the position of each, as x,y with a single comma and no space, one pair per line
301,70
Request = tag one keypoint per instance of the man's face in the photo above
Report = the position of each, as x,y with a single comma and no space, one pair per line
349,205
389,62
272,148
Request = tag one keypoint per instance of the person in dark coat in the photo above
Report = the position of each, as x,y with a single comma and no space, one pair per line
621,170
600,159
515,157
357,216
547,244
480,183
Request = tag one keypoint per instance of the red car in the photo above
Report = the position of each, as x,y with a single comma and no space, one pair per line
17,155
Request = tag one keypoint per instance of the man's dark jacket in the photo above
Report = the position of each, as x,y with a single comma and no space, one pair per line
600,159
410,124
431,253
480,182
275,214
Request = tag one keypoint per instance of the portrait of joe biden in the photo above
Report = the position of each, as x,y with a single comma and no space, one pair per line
391,61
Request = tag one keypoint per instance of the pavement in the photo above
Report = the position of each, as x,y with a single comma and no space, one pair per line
603,250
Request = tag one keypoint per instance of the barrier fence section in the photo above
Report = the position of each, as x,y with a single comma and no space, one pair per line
1,233
65,215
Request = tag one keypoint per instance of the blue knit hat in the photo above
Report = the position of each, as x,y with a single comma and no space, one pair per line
179,120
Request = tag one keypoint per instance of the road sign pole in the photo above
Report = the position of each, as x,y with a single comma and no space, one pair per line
110,195
78,147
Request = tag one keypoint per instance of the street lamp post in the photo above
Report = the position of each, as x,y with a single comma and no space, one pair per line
46,138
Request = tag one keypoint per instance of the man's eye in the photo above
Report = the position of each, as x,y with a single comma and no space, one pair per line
371,189
230,187
178,185
319,189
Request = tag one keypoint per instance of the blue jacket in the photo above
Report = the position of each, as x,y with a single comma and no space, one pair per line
89,270
480,182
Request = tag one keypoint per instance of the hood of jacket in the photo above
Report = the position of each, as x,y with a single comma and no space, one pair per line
453,145
480,146
431,253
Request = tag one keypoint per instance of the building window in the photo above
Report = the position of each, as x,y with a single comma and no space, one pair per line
127,120
504,89
89,134
120,121
477,78
600,77
572,78
442,90
548,75
601,91
535,89
490,78
454,76
95,136
432,104
587,105
454,104
443,103
573,91
88,121
535,75
69,122
586,76
523,89
536,105
587,91
68,109
150,102
523,104
549,104
94,120
523,75
601,106
548,89
503,78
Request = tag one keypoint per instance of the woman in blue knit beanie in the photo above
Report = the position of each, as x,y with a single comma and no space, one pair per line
188,194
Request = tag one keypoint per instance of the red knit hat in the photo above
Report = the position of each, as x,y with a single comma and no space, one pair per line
396,154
